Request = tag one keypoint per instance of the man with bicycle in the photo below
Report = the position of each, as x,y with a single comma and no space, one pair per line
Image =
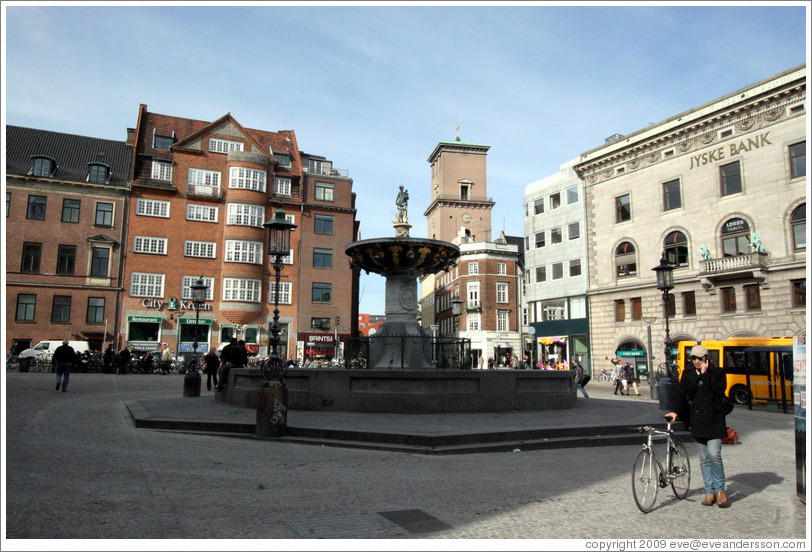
699,405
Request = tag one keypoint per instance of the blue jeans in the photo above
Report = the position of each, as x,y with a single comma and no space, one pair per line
63,369
710,460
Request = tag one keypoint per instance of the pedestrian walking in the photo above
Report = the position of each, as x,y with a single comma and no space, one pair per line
211,365
631,379
617,374
107,358
166,359
699,405
123,360
579,378
64,358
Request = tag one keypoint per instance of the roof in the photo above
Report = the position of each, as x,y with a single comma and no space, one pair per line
70,152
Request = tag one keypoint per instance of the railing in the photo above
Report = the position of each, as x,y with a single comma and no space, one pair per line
473,306
202,190
327,171
470,198
748,261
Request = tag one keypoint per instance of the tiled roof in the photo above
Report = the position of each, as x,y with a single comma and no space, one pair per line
71,153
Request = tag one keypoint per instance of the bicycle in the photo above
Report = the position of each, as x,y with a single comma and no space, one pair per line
649,475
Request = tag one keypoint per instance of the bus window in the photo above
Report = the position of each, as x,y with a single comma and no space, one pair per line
737,361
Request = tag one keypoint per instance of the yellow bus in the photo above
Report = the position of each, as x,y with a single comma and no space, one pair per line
759,369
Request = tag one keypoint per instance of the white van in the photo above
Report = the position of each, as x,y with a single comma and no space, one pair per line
44,350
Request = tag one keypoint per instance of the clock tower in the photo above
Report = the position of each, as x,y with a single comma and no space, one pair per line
459,192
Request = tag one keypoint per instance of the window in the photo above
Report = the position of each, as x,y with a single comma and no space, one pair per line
473,268
42,166
201,213
671,195
526,242
728,299
797,159
95,310
538,206
798,294
288,259
671,305
186,287
283,159
555,235
558,271
206,250
26,307
322,258
104,214
146,244
322,293
572,195
70,210
472,289
625,260
501,292
96,172
574,230
575,267
554,309
623,208
526,210
152,208
735,238
541,274
675,246
161,170
620,310
284,292
473,319
323,224
313,166
555,200
578,307
241,251
242,289
143,284
281,185
324,191
247,179
66,260
36,207
99,261
539,239
162,142
320,323
463,192
689,303
31,257
501,269
502,320
60,311
798,221
218,145
241,214
8,203
730,178
752,297
204,182
636,306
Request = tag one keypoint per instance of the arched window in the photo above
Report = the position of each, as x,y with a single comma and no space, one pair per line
798,221
625,260
676,249
735,237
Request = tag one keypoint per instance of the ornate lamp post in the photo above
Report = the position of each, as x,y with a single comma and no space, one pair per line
191,382
272,409
666,387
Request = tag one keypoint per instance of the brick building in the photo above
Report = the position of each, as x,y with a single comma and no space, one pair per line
201,192
66,205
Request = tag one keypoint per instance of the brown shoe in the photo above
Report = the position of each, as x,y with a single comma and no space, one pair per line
709,500
721,500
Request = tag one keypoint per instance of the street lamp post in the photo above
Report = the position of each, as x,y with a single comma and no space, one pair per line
191,381
272,408
665,283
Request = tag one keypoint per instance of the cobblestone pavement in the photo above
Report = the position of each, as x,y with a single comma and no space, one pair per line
77,468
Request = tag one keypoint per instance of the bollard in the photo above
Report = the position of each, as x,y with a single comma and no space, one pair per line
191,384
272,412
667,391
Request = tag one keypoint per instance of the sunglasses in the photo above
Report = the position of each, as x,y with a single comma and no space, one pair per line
697,358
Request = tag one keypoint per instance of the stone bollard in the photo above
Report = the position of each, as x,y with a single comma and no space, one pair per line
191,384
272,412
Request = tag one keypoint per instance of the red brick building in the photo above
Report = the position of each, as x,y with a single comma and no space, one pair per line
201,192
66,205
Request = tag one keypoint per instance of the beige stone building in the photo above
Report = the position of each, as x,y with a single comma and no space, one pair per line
720,190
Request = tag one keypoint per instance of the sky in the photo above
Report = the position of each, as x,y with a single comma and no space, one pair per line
375,87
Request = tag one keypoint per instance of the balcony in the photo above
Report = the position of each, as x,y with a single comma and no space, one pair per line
473,306
202,190
748,266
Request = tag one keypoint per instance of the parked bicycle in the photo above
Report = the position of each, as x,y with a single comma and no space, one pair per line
649,474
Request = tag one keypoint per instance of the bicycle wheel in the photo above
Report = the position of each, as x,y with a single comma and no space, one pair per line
680,471
645,480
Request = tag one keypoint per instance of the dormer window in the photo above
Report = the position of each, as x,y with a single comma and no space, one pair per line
283,158
42,166
97,172
162,142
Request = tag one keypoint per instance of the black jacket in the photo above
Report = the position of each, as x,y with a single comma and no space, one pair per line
700,402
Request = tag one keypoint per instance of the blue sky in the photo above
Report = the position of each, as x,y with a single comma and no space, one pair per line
374,88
